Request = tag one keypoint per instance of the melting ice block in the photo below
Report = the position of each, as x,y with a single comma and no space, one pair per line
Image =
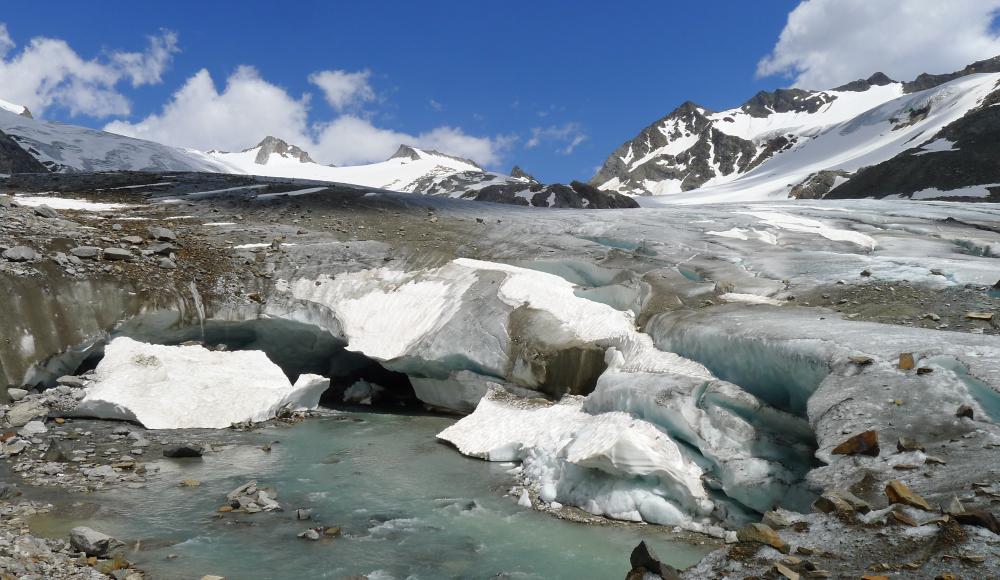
175,387
610,464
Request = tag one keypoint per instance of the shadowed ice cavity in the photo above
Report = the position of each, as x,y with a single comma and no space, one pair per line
296,347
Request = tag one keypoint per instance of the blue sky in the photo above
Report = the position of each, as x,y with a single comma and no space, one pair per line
580,77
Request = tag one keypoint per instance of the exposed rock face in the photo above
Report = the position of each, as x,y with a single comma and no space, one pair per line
694,148
969,160
272,145
575,195
685,150
817,185
13,159
929,81
861,85
517,173
407,152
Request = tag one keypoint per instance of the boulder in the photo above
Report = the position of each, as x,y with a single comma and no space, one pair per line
161,234
16,394
26,411
906,361
58,452
47,212
134,240
161,249
762,534
965,411
643,558
117,254
865,443
20,254
184,450
33,428
86,252
907,444
92,542
984,316
831,502
72,382
898,492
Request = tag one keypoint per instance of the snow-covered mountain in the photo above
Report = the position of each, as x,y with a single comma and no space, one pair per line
799,143
29,145
414,170
65,148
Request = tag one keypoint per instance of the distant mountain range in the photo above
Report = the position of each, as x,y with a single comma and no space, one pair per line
936,137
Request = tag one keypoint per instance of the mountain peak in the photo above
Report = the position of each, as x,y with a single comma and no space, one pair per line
16,109
408,152
517,173
878,79
270,145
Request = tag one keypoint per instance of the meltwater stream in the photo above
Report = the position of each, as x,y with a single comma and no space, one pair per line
409,507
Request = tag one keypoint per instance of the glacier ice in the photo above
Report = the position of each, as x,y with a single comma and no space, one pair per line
174,387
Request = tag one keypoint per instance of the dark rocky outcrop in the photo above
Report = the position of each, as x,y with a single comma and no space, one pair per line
575,195
817,185
876,80
14,159
517,173
766,103
929,81
972,160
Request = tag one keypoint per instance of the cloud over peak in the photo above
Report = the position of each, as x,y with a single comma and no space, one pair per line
826,43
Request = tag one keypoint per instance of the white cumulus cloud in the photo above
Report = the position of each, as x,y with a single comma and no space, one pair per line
566,137
48,73
830,42
249,108
342,89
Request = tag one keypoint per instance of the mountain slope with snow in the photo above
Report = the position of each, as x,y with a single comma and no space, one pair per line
427,172
67,148
800,143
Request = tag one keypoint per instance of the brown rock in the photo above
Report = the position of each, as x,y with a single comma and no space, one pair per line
965,411
904,518
762,534
225,509
643,558
986,316
925,370
785,571
775,520
865,443
897,492
906,361
861,360
830,502
908,444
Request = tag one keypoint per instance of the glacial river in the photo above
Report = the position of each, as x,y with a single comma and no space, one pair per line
409,507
